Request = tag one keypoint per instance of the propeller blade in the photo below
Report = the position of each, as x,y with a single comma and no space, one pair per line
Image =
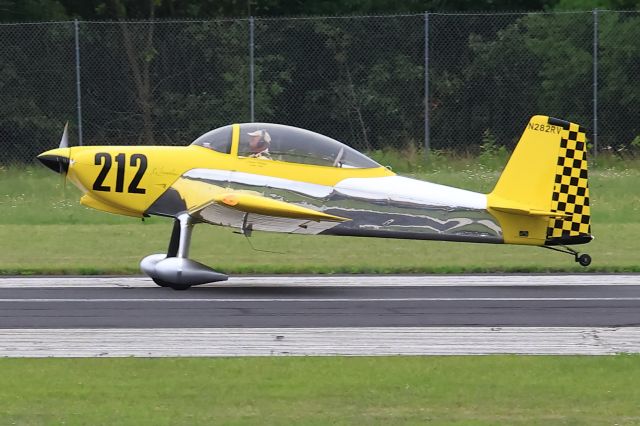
64,142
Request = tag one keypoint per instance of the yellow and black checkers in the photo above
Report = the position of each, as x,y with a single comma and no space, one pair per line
571,190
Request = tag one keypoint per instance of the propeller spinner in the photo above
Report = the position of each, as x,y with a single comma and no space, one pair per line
58,159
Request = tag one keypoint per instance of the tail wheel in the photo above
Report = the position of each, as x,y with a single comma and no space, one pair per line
584,259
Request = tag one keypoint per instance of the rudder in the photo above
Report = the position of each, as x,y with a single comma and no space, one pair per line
571,189
542,196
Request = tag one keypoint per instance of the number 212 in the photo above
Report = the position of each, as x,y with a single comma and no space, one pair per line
104,159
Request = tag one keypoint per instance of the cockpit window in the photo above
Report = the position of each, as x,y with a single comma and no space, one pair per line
217,140
295,145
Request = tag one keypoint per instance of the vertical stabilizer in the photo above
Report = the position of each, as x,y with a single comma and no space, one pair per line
542,196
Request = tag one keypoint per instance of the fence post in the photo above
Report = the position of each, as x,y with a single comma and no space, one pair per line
78,95
595,83
251,69
426,85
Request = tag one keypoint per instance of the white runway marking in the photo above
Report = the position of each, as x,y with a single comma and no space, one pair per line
323,300
197,342
483,280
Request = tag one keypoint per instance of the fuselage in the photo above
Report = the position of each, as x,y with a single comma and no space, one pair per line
167,181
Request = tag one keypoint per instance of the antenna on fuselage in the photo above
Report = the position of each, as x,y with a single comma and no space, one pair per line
247,230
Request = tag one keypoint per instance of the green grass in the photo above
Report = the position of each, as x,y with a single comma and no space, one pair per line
335,390
117,249
43,229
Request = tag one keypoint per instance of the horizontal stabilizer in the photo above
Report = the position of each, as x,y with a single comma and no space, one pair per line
529,212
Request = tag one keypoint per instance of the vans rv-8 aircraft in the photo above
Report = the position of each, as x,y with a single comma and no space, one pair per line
271,177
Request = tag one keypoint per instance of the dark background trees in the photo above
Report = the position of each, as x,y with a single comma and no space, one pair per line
29,10
148,79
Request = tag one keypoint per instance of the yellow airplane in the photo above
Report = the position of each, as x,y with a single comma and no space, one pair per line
271,177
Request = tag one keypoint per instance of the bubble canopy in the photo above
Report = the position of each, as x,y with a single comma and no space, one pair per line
285,143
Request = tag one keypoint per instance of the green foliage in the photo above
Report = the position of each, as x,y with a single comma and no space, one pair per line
31,10
359,80
543,63
409,160
491,154
335,86
33,110
635,145
565,5
619,34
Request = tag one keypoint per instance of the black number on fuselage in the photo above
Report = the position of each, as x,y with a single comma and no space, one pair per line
98,184
133,186
105,157
120,174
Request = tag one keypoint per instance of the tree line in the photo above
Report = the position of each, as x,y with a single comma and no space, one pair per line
358,79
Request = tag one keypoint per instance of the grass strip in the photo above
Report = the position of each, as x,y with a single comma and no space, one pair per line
117,249
43,230
527,390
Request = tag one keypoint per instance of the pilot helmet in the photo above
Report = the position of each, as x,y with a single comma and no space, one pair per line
264,135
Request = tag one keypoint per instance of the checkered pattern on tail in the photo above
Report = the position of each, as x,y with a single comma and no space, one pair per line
571,190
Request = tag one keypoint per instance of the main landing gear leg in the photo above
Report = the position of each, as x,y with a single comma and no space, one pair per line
174,242
172,251
175,269
178,247
583,259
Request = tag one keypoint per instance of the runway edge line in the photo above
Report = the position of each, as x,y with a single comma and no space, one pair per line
227,342
467,280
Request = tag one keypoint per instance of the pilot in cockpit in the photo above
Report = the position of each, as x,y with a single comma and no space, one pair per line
259,143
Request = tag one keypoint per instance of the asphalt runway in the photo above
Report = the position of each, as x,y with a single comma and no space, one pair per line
321,315
544,300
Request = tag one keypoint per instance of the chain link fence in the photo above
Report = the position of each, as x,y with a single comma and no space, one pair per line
448,82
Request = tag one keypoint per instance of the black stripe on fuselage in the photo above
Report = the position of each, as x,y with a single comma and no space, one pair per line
170,203
405,235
